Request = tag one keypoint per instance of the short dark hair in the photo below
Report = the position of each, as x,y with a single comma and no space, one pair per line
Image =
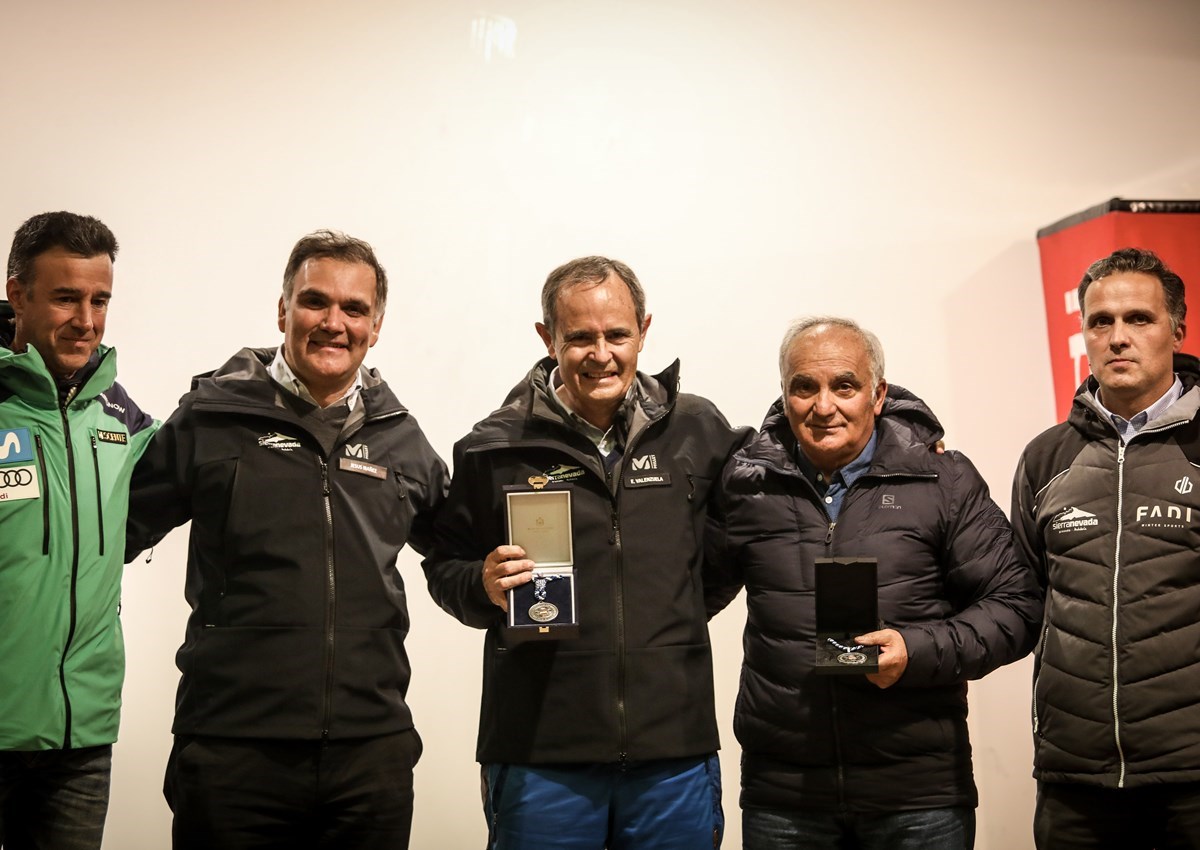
336,246
1143,262
593,271
78,234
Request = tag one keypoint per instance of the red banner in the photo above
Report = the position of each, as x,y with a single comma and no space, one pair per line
1170,229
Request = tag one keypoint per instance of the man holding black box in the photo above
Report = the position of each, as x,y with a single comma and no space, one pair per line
836,511
597,726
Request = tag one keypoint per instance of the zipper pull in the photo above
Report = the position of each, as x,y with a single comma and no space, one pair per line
829,533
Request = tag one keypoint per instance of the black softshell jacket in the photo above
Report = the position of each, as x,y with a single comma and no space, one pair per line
637,683
949,582
298,611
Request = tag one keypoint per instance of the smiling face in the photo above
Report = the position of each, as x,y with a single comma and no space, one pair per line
1129,340
62,308
596,342
829,398
328,324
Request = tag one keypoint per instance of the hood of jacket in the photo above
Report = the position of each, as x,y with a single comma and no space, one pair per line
530,400
244,382
1086,417
906,428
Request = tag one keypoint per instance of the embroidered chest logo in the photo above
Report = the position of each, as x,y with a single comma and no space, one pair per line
15,445
887,501
644,462
564,472
358,450
1183,486
1073,519
279,442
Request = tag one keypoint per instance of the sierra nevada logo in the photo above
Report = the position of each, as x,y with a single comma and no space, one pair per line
1073,519
564,472
279,442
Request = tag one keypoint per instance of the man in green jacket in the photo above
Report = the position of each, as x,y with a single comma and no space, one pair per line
69,437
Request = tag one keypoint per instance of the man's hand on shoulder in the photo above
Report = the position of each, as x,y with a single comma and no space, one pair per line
893,656
504,568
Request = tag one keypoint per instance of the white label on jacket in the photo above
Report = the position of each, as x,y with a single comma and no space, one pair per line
18,482
362,467
648,479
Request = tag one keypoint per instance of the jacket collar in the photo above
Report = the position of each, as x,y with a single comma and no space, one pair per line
243,381
1085,416
906,428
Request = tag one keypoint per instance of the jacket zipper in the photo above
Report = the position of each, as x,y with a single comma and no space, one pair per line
45,496
1116,588
1041,650
99,493
618,554
330,598
835,718
62,664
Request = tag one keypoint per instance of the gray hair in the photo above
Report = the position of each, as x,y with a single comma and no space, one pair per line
592,271
869,341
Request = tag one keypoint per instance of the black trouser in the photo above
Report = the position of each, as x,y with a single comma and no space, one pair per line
54,798
259,794
1085,817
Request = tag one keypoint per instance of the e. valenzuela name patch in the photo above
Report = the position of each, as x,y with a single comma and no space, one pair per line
652,478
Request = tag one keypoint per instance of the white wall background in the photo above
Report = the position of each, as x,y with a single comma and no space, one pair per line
752,161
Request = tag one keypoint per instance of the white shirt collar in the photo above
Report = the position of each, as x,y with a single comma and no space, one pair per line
282,374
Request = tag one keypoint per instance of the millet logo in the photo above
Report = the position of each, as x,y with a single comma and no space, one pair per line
644,462
358,450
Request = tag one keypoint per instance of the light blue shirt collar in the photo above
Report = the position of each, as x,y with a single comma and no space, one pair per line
1128,427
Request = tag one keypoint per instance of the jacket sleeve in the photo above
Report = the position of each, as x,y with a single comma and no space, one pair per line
995,597
160,490
723,579
428,496
454,564
1030,548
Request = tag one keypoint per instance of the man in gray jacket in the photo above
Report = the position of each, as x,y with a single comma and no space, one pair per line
1106,508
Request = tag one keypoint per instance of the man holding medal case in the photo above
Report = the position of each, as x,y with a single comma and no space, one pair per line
601,729
841,484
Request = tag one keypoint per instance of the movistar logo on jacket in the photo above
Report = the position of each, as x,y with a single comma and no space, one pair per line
15,445
279,442
1073,519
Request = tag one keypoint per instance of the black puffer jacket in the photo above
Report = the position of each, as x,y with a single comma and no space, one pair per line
637,683
298,611
1114,533
949,582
